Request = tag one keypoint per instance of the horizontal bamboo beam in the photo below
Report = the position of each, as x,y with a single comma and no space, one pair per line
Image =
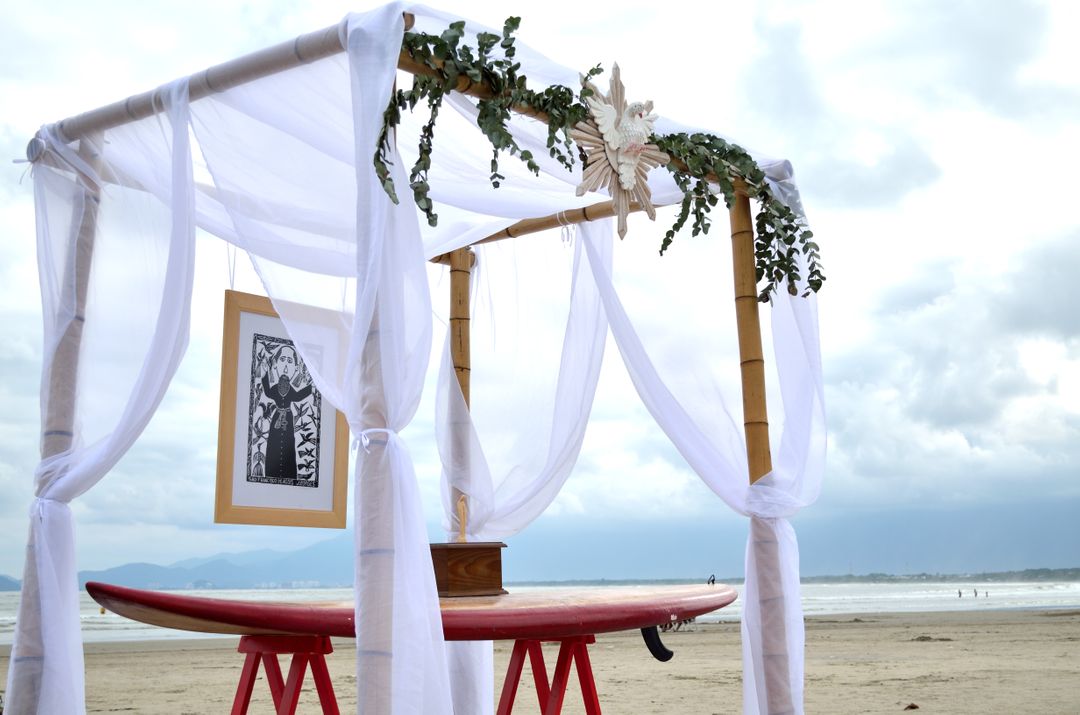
466,86
287,55
256,65
570,217
248,68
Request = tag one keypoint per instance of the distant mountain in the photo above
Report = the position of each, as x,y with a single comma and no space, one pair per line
245,558
327,564
9,584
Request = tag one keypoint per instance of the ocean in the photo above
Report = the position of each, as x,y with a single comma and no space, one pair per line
819,599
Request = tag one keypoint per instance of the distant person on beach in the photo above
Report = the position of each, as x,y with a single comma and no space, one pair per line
959,593
976,593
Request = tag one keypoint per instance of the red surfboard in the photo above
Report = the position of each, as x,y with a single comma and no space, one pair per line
550,613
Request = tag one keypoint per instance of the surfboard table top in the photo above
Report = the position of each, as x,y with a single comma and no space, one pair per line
550,613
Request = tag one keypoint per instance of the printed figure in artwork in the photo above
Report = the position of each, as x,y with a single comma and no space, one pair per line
281,439
284,416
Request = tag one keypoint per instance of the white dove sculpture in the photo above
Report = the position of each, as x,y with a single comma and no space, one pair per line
618,156
626,135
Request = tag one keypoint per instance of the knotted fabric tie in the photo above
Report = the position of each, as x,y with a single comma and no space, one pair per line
766,501
364,439
37,507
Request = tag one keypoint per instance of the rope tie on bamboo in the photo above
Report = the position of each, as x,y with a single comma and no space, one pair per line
230,256
567,227
34,150
52,137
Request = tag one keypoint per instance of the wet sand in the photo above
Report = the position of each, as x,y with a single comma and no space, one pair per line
980,662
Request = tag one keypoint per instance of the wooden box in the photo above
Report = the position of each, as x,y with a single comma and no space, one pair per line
469,569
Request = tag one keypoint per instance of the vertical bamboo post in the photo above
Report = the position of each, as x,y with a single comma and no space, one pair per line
58,424
758,456
751,359
461,262
58,427
375,526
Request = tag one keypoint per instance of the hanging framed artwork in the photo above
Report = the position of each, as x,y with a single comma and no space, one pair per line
282,448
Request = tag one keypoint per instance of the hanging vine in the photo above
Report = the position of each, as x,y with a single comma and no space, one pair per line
780,236
782,242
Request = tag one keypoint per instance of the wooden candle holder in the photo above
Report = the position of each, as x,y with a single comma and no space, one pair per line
468,569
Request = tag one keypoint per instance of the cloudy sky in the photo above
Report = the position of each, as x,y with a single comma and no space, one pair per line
935,144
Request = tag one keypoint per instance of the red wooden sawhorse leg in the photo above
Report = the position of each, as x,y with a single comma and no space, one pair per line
551,698
286,694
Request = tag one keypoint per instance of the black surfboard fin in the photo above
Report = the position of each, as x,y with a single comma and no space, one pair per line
656,647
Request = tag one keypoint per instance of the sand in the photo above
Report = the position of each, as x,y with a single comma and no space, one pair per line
985,662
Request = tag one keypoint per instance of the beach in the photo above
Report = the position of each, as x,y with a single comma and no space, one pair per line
1004,661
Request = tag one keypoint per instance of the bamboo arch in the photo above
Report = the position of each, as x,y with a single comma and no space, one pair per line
327,42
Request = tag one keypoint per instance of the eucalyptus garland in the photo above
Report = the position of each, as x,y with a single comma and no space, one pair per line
449,62
780,234
696,159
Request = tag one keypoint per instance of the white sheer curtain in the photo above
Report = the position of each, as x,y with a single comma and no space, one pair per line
503,506
503,502
325,238
718,456
110,352
390,249
544,448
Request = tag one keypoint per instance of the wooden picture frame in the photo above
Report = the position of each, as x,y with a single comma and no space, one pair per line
283,455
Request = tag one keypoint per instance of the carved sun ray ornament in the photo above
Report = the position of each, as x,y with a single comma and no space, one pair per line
618,156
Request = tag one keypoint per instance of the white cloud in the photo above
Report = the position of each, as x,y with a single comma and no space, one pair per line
932,145
965,390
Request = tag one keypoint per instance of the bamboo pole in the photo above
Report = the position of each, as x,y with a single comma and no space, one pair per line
604,209
461,263
29,656
302,50
751,359
58,428
375,525
287,55
247,68
756,426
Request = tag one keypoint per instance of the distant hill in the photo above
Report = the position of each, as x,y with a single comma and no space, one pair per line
328,564
245,558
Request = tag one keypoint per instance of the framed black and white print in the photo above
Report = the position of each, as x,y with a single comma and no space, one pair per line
282,449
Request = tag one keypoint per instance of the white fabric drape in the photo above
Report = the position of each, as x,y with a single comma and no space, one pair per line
504,497
502,507
501,504
327,241
544,454
392,290
111,399
771,591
